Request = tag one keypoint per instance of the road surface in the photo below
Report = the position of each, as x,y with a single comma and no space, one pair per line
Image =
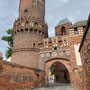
57,86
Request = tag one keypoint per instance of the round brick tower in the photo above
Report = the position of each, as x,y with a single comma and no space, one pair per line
29,29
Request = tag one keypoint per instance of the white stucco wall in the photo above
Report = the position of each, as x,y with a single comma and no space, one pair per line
9,59
77,54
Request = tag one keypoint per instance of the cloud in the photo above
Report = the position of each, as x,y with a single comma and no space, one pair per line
64,1
56,3
8,13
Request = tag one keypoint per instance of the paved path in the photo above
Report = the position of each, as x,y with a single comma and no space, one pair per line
57,86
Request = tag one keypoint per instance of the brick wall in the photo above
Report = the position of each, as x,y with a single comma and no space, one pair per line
14,77
29,29
76,69
85,56
1,56
58,29
32,8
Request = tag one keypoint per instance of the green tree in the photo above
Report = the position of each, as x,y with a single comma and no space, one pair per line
9,40
52,69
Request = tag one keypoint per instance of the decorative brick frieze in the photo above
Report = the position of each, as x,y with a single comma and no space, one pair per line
63,48
33,49
54,43
79,31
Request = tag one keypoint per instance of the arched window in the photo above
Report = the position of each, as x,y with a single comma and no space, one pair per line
25,11
63,31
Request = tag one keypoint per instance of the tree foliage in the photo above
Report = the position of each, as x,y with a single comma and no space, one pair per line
9,39
52,69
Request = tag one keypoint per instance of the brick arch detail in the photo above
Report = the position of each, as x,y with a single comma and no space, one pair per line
66,63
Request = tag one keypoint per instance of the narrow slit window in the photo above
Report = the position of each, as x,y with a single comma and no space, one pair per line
34,45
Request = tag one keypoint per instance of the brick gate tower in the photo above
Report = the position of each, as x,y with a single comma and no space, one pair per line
29,29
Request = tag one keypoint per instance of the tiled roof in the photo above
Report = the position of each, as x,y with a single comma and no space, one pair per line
79,23
63,21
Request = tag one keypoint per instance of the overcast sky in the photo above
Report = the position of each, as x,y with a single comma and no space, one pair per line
56,10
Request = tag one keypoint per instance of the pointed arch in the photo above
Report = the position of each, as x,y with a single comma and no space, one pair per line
63,31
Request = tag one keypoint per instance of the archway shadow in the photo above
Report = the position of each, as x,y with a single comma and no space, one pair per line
63,76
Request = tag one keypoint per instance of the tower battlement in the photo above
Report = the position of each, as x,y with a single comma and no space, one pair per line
29,29
30,24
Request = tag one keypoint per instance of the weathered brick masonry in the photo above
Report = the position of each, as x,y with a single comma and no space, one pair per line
1,56
29,29
16,77
33,52
63,48
85,55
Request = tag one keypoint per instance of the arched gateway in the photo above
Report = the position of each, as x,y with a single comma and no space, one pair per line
49,62
34,49
62,69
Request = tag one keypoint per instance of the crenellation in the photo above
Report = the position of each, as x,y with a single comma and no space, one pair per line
30,23
33,51
54,43
29,29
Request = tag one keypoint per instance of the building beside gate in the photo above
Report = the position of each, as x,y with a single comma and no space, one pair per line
34,52
85,55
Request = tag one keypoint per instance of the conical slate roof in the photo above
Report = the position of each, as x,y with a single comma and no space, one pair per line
63,21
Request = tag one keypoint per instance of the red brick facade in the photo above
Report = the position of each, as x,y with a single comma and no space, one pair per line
62,49
1,56
18,77
33,52
58,29
85,55
29,29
